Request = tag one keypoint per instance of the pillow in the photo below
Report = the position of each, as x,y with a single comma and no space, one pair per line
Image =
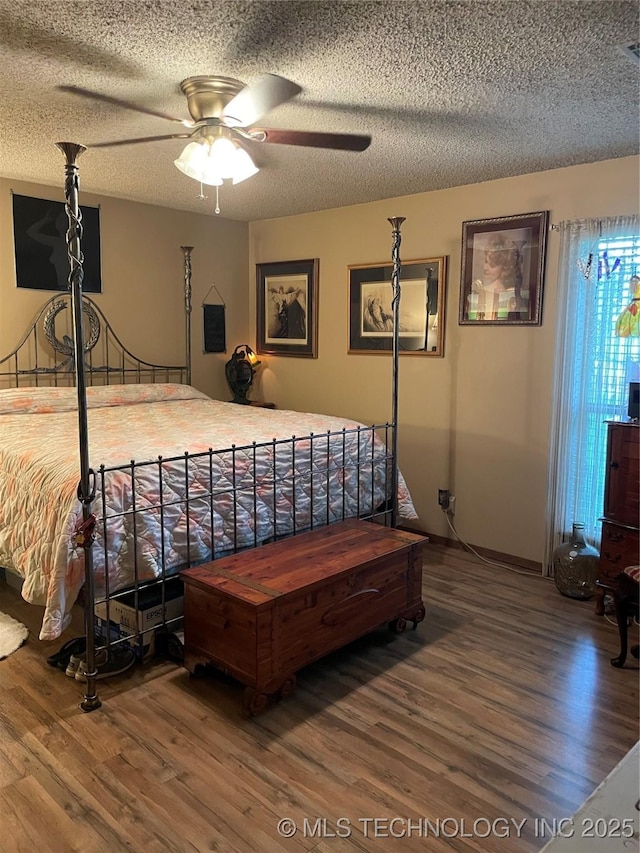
37,401
42,401
125,395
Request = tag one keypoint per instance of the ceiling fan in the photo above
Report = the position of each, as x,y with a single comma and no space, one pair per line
223,116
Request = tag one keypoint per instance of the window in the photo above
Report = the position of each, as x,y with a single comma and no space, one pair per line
597,355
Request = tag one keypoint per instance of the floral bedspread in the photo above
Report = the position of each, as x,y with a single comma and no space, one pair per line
190,501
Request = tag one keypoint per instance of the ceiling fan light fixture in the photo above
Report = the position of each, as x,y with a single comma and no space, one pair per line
243,166
221,157
214,162
193,163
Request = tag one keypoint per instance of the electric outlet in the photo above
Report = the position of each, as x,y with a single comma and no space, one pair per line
451,509
443,499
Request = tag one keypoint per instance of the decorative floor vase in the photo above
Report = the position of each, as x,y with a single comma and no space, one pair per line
575,566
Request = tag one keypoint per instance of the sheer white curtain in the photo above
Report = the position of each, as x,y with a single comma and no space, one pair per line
593,367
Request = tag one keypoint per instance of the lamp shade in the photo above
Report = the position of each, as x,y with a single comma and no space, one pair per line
214,162
243,166
193,163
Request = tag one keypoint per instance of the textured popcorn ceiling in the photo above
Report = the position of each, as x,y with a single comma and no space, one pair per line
451,92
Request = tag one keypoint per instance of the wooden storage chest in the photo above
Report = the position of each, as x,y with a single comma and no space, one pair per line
264,613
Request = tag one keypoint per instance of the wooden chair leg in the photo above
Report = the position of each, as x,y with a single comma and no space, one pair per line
621,605
625,602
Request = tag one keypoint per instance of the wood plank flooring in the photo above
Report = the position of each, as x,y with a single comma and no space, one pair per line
502,708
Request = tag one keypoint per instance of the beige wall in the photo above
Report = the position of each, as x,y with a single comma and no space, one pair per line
143,279
477,420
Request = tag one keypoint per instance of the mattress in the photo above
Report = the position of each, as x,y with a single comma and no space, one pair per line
180,478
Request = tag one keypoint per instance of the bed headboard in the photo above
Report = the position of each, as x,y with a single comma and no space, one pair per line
45,355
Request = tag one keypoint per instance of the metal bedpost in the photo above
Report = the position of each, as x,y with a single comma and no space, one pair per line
86,487
187,304
396,222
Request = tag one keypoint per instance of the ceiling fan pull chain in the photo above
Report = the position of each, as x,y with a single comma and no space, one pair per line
202,196
217,200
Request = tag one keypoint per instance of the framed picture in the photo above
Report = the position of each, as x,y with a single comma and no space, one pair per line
420,314
503,270
39,233
287,306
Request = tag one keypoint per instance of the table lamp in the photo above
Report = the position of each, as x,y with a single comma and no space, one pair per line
240,370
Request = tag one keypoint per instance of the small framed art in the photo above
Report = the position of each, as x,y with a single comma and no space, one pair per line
502,272
287,308
421,308
42,261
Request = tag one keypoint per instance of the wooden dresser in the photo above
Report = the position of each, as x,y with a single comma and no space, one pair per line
264,613
620,545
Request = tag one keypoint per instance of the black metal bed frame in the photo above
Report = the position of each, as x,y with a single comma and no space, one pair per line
79,361
319,480
30,363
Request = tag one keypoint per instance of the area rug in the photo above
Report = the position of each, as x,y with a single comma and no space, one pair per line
608,820
12,635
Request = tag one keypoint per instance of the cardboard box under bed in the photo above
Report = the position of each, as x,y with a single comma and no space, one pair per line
137,625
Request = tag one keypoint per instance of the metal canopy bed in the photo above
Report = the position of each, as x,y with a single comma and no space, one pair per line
192,495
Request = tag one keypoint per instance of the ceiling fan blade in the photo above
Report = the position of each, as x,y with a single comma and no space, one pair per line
257,99
140,139
127,105
338,141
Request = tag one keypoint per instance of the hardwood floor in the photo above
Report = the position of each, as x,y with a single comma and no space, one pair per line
502,708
